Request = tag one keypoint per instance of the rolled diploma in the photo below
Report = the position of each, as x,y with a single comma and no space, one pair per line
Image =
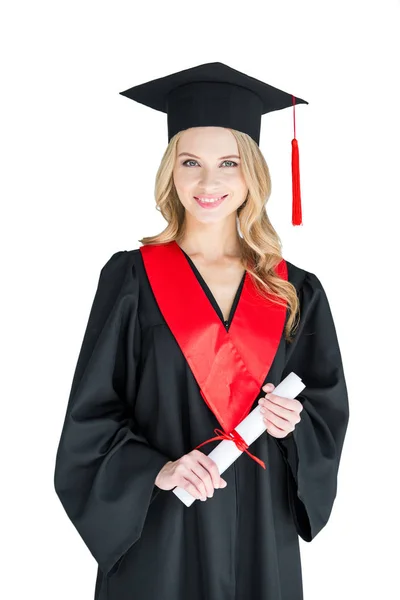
225,454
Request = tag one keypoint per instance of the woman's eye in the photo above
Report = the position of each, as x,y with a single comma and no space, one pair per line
225,161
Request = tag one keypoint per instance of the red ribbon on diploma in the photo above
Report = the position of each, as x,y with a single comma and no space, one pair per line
234,436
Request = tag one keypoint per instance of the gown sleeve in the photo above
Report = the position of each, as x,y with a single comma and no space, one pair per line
104,468
314,448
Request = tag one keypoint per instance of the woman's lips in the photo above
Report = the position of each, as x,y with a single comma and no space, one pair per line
210,204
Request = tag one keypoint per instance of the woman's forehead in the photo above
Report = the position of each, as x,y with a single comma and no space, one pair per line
212,140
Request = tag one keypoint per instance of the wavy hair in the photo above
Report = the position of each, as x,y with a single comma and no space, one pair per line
261,248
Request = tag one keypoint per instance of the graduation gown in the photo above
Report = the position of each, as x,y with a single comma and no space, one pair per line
135,404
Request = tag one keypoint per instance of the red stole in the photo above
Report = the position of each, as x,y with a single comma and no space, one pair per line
229,366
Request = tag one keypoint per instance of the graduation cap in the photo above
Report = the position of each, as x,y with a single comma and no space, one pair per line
214,94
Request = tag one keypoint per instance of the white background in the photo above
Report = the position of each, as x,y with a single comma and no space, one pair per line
78,163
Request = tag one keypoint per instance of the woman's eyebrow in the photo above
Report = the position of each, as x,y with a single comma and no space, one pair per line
220,158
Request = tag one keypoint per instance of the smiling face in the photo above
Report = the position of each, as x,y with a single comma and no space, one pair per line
207,167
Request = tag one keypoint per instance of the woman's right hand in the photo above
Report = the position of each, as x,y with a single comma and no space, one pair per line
194,472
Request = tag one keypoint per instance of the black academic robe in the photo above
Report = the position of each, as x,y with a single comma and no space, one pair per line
134,405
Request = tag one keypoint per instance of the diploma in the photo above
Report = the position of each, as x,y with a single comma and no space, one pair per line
225,454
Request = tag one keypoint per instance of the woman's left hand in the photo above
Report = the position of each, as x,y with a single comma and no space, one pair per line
281,415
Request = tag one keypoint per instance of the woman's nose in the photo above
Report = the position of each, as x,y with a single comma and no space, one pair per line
209,181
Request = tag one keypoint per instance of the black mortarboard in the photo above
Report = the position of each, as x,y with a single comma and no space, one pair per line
213,94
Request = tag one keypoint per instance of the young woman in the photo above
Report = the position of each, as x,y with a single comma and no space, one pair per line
187,334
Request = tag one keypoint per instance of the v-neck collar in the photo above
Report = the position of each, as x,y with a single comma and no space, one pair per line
229,366
211,296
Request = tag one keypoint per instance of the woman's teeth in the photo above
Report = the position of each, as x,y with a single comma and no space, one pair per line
210,201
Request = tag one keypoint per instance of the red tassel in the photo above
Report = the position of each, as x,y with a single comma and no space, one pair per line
296,204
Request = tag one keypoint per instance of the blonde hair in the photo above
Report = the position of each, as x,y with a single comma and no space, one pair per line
260,244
